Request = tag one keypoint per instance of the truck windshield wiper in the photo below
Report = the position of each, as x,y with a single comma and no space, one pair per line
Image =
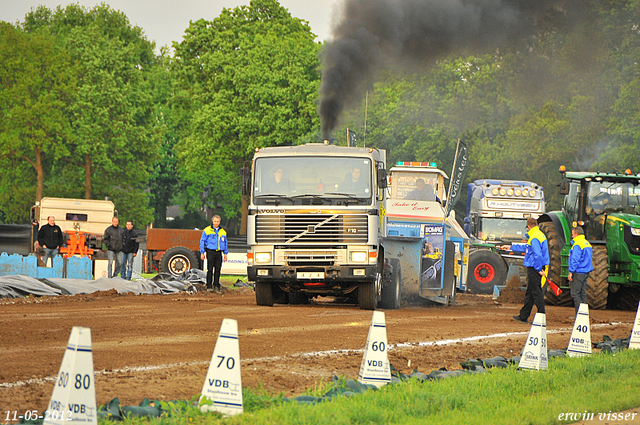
307,194
273,194
349,195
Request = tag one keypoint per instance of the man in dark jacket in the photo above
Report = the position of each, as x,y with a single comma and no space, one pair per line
50,238
114,240
130,250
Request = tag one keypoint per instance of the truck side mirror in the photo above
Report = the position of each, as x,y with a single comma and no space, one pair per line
245,172
564,187
382,178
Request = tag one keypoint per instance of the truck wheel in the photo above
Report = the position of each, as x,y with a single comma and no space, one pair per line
367,295
486,269
391,291
264,294
564,299
177,260
297,297
598,282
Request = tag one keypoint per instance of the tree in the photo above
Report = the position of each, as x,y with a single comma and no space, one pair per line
114,144
37,85
247,79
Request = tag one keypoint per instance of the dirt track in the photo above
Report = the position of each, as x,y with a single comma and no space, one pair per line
159,346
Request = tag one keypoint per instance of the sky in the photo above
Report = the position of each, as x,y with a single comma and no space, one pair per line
164,21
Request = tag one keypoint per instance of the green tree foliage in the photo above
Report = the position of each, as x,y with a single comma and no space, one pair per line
112,143
567,95
37,81
247,79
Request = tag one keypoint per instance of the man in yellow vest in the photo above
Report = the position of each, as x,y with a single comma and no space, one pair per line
580,265
536,260
213,247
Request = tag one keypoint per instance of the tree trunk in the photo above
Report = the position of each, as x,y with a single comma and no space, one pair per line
40,174
245,215
87,176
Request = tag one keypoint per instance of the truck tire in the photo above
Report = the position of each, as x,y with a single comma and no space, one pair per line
564,299
178,259
297,297
367,296
598,282
486,269
390,298
264,294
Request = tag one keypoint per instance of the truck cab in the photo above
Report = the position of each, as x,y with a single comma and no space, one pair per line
496,214
314,222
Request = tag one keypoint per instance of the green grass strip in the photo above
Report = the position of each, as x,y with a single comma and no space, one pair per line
600,383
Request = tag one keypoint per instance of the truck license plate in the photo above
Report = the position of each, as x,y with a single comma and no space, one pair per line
310,275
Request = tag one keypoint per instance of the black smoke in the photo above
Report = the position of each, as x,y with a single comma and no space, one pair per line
377,34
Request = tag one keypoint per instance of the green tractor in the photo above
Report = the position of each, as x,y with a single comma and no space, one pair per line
607,207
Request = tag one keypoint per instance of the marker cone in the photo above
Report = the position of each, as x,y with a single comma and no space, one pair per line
74,395
580,342
223,384
634,340
534,354
375,368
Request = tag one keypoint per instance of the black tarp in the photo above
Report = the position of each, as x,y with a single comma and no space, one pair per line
15,238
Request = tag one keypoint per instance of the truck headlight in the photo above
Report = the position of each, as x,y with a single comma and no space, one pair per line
358,256
635,231
263,257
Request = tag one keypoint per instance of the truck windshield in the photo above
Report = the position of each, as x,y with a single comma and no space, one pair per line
300,177
502,229
609,197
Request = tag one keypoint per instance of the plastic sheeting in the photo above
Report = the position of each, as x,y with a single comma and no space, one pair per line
20,286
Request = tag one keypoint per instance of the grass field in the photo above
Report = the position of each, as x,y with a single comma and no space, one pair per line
571,389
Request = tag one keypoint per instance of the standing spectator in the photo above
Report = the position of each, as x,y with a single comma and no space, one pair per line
114,240
130,250
213,247
580,265
536,260
50,239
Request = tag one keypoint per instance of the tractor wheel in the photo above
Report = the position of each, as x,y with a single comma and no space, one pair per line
390,298
628,299
564,299
177,260
486,269
598,282
367,295
264,294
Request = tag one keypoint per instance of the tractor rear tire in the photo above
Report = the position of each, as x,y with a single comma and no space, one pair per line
390,296
486,269
598,282
264,294
564,299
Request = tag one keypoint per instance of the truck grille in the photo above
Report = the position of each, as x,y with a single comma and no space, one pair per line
305,229
305,258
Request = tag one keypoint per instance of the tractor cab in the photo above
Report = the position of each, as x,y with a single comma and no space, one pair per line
591,197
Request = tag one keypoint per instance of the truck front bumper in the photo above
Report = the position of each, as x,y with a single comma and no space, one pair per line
332,275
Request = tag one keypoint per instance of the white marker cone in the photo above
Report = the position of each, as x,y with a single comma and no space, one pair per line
74,394
580,342
534,354
634,341
223,385
375,368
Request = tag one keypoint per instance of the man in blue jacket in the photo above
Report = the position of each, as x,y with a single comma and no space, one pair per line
213,247
536,260
580,265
